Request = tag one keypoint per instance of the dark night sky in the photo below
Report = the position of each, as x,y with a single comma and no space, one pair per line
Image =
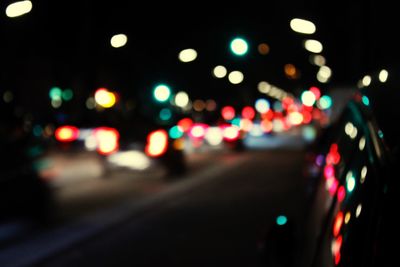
66,43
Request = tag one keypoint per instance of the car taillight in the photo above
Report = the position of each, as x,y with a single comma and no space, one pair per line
66,133
231,133
157,143
198,131
107,140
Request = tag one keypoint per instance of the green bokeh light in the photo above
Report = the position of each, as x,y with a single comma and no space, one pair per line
175,132
162,93
165,114
55,93
281,220
67,94
239,46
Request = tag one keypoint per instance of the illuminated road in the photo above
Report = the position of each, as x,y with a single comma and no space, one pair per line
123,185
216,214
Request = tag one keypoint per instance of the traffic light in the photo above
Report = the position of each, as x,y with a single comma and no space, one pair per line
162,93
239,46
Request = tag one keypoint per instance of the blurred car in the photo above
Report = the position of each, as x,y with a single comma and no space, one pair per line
23,195
352,189
123,145
214,136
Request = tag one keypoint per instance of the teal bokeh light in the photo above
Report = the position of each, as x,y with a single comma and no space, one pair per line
162,93
281,220
239,46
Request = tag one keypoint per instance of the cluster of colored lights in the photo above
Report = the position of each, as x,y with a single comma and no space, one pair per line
105,139
332,159
334,188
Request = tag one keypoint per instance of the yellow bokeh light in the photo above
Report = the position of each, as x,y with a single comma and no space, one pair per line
347,217
235,77
219,71
324,74
313,46
187,55
364,171
107,141
264,87
214,136
308,98
302,26
118,40
181,99
361,143
105,98
366,81
318,60
295,118
18,8
358,210
383,75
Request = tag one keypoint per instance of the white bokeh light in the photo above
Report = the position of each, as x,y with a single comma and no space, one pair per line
187,55
235,77
119,40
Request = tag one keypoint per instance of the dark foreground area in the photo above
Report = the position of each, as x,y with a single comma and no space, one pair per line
215,216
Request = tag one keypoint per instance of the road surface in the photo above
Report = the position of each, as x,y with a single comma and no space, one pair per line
214,215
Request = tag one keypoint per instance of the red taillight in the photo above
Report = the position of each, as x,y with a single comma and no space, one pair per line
336,247
248,113
66,133
329,171
198,131
337,225
228,113
341,194
185,124
231,133
157,143
107,140
333,156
